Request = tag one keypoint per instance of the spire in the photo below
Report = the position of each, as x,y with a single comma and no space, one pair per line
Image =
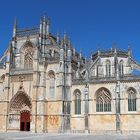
80,55
86,60
69,44
48,27
91,54
116,62
41,25
78,70
62,43
99,53
129,50
57,38
61,51
69,52
44,18
15,28
44,25
115,48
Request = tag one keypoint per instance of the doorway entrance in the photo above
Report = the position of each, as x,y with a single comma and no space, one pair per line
25,121
19,111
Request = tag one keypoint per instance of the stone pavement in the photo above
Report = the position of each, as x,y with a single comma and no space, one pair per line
46,136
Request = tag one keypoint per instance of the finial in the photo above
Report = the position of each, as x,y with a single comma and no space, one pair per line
91,53
48,21
73,51
129,47
129,50
99,52
41,28
115,50
69,44
15,28
85,60
57,38
15,23
114,47
80,55
41,19
44,25
48,26
44,18
62,43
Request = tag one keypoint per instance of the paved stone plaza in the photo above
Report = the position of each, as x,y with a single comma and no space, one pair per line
46,136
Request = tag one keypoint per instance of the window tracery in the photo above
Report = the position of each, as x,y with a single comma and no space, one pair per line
108,68
27,51
103,101
131,99
28,58
77,102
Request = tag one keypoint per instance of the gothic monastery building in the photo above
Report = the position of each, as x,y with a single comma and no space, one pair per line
47,86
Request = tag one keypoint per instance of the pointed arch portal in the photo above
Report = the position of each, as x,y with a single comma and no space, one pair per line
19,112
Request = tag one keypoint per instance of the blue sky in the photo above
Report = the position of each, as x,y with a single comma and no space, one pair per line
90,24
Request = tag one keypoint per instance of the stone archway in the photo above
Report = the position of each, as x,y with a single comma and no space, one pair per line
19,112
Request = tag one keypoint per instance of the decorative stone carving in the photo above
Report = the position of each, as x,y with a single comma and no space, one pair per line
18,78
28,57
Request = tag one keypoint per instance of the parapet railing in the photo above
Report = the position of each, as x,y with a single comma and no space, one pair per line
15,71
95,79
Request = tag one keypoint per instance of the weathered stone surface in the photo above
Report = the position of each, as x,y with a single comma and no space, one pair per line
42,75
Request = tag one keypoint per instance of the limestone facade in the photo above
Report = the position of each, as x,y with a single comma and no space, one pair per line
46,86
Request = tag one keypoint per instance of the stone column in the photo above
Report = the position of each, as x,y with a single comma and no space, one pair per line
41,99
5,103
86,107
117,102
35,91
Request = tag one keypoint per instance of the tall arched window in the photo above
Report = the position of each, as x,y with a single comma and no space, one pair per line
131,99
103,100
77,102
121,68
108,68
51,84
28,56
28,61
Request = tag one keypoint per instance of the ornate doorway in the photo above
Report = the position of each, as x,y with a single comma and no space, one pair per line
25,121
20,111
